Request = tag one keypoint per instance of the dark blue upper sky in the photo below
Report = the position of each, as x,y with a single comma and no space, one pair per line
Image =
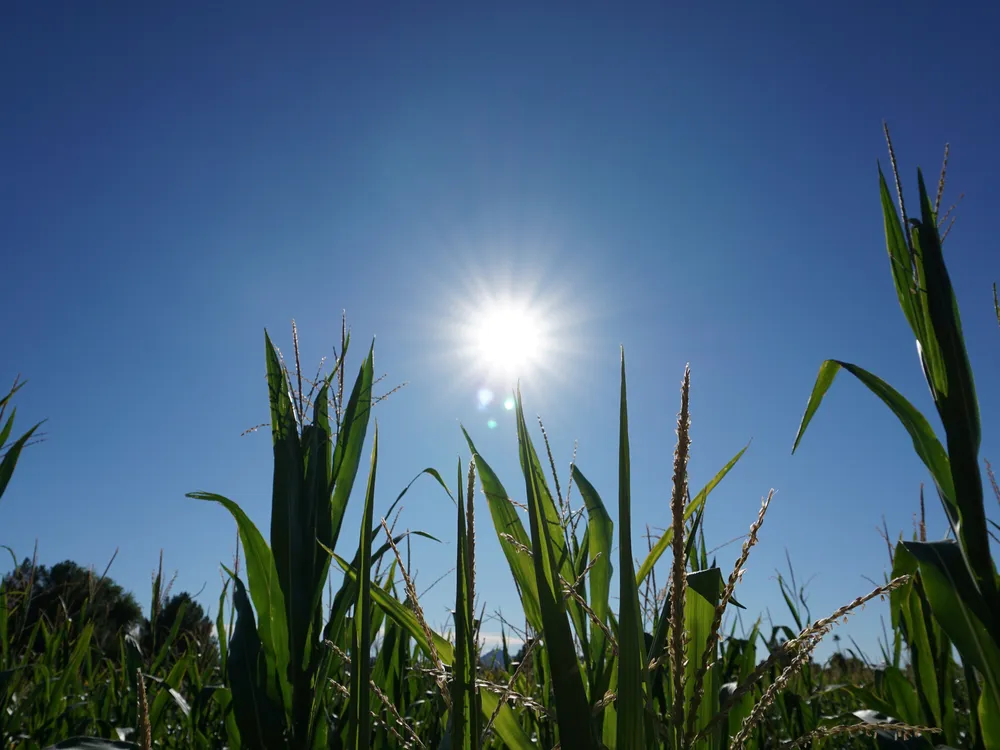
696,184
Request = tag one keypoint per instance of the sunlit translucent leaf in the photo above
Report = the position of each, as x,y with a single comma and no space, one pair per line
257,713
506,522
550,557
699,612
694,506
600,530
959,607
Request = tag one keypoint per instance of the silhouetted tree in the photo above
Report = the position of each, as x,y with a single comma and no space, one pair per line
67,595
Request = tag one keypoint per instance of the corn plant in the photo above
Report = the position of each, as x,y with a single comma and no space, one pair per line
599,680
11,453
954,595
273,662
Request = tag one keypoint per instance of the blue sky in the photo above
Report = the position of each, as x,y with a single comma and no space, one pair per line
697,185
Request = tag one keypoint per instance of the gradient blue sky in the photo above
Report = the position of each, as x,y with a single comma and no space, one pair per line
697,184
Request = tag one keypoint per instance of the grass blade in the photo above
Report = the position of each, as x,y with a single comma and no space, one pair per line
549,554
359,731
631,705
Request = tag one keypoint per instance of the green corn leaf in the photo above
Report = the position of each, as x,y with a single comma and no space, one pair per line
350,441
959,607
989,717
132,662
911,618
699,611
164,651
506,726
901,260
268,599
709,583
747,662
663,543
609,715
561,553
600,531
925,443
315,525
61,690
955,397
289,512
168,694
10,458
463,729
359,728
550,559
632,659
862,696
257,712
220,628
506,522
8,426
343,600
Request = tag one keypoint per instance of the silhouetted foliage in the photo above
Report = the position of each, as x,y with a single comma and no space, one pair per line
193,631
67,593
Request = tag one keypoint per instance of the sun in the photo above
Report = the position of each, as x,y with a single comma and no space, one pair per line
508,338
504,330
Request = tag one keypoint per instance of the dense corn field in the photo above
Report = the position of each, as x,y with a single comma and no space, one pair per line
287,668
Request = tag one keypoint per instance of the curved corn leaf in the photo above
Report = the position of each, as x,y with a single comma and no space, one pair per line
168,693
9,460
698,502
925,443
959,607
954,391
257,711
911,617
600,531
506,522
266,594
